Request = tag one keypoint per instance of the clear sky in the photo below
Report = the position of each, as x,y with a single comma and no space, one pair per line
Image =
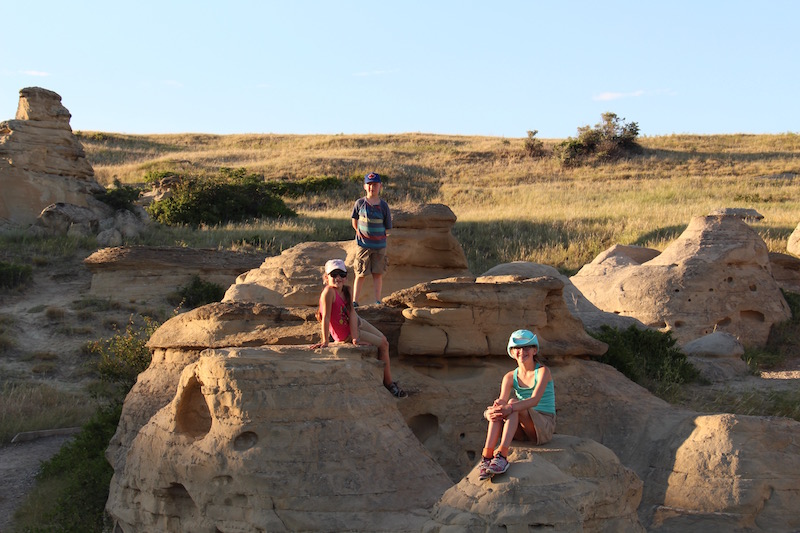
497,68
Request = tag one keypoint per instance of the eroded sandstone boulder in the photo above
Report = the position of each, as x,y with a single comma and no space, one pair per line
144,273
786,271
715,277
41,161
593,318
421,247
271,439
460,317
568,484
718,357
793,244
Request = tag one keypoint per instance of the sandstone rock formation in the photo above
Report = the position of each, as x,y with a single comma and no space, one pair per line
718,356
473,317
230,391
421,248
715,276
786,271
41,161
140,273
569,484
592,317
793,244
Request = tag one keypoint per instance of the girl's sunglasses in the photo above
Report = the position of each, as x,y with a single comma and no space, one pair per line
338,274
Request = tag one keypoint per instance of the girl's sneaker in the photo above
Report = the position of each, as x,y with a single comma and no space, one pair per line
498,465
396,391
483,469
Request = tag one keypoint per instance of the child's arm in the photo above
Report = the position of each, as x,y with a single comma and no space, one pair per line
325,304
495,411
542,379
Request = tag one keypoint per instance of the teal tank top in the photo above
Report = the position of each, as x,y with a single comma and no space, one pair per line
547,403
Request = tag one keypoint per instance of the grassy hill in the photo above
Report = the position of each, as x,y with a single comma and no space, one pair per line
509,206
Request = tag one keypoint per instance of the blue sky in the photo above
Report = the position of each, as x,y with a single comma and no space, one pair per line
451,67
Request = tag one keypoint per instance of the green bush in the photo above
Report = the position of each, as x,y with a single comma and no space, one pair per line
119,197
534,147
304,187
13,275
80,476
648,358
124,356
231,196
196,293
607,140
154,177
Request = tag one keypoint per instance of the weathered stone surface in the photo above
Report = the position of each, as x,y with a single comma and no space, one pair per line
421,247
718,356
593,318
461,317
270,439
749,215
142,273
700,472
569,484
41,161
715,276
786,271
793,244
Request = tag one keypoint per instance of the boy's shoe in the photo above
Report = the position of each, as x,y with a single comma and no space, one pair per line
396,391
378,302
498,465
483,469
355,304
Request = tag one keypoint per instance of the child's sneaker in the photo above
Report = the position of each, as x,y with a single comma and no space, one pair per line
498,465
483,469
396,391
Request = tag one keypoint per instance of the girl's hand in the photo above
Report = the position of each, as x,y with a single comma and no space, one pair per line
357,342
318,345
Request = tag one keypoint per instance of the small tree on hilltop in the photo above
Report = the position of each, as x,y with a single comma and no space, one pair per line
610,139
534,147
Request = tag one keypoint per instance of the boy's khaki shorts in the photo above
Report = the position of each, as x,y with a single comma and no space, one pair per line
370,261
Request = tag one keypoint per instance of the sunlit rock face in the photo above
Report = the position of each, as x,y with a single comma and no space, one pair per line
41,161
420,248
715,277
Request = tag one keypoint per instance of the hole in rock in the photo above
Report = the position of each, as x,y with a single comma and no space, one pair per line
679,323
193,417
245,441
724,322
753,288
752,316
471,455
177,501
729,279
424,426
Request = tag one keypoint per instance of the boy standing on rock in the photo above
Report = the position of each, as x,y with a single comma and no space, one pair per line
372,220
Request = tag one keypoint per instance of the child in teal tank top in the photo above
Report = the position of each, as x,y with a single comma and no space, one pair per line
530,415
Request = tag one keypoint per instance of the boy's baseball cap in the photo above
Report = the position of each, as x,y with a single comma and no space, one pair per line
520,338
372,177
335,264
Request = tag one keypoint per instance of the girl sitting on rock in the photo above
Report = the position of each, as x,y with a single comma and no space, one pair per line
338,318
529,415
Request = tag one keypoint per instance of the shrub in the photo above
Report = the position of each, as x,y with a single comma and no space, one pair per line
120,197
231,196
534,147
608,140
197,292
13,275
647,357
305,186
124,356
80,476
154,177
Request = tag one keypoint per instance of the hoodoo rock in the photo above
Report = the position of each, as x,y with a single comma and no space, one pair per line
715,277
41,161
421,248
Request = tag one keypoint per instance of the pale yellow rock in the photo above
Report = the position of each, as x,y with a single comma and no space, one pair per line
715,276
420,248
793,244
569,484
41,161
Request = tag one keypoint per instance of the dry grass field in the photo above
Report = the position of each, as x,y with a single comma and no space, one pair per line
509,206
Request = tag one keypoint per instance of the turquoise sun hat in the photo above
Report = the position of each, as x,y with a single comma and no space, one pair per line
520,338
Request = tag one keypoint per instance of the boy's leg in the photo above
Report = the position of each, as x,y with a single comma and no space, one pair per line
357,284
377,282
361,269
378,265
